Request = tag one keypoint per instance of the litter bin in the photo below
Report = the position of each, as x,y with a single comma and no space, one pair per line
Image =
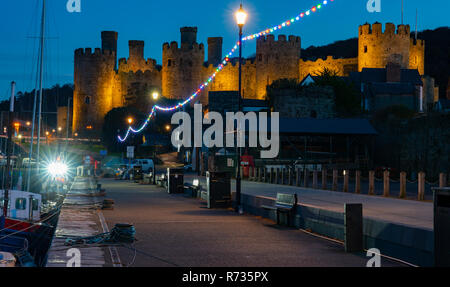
137,172
218,191
175,180
441,199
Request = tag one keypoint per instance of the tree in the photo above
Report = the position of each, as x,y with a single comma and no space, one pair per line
348,99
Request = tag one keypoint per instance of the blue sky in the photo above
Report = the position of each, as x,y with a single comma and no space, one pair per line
157,22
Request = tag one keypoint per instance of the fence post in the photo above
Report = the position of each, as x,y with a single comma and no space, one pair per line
346,175
283,173
442,180
335,180
324,179
371,182
258,178
297,177
386,183
290,176
271,175
358,181
306,178
402,185
421,186
277,175
264,174
314,184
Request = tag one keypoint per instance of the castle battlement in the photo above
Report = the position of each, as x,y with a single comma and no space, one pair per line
270,39
173,47
418,43
376,29
87,52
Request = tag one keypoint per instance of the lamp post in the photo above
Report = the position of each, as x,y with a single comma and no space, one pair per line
241,17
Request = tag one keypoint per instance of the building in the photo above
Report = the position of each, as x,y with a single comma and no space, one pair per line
381,88
100,84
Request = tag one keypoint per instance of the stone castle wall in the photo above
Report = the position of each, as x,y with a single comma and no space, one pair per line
341,66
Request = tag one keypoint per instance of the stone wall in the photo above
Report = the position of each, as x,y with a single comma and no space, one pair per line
341,66
310,101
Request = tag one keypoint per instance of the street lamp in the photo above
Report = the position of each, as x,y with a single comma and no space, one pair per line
241,17
130,120
155,95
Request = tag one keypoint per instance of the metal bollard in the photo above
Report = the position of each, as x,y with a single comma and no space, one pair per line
353,232
402,193
283,171
306,178
386,183
298,177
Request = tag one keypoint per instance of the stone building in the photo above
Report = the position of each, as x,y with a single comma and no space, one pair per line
100,84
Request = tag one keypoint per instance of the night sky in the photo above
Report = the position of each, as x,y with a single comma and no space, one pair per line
157,22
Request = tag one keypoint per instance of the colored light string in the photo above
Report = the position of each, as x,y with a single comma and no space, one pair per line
225,61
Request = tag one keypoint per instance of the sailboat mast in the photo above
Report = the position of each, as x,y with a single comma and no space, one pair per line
8,151
40,82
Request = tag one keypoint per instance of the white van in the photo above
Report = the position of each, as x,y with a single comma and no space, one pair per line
147,164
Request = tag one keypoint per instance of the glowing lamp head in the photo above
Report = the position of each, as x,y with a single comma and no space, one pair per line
130,120
155,95
241,17
57,168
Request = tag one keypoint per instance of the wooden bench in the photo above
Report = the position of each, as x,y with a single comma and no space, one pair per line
193,189
285,203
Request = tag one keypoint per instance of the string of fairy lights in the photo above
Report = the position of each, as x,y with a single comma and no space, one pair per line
222,65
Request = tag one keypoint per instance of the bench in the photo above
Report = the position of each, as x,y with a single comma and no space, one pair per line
285,203
193,189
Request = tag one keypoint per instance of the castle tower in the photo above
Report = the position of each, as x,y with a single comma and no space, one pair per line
417,55
377,48
276,60
109,43
215,50
136,49
183,66
94,86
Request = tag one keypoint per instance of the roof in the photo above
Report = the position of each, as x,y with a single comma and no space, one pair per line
339,126
392,88
378,75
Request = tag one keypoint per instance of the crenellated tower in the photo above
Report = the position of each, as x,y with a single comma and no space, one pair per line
95,84
276,60
182,69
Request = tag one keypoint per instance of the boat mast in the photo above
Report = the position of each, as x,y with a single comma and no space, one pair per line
8,151
40,82
41,60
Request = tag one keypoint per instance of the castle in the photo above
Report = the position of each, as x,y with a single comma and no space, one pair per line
100,84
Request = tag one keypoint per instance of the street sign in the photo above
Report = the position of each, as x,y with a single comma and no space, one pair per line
103,152
130,151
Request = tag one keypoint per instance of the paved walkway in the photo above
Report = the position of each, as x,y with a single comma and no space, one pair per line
401,211
173,230
79,217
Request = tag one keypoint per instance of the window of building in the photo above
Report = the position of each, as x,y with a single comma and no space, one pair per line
365,49
21,203
169,63
87,100
260,57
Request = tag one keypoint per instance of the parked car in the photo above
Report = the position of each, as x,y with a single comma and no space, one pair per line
147,164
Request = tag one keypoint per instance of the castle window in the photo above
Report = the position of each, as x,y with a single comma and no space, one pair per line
260,57
169,63
365,49
87,100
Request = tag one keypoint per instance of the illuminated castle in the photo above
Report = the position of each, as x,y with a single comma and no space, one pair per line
101,85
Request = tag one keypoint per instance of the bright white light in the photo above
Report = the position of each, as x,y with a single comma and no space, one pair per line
57,168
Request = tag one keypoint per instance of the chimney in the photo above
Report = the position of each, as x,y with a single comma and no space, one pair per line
393,72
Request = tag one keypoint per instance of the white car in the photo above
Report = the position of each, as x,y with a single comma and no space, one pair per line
147,164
